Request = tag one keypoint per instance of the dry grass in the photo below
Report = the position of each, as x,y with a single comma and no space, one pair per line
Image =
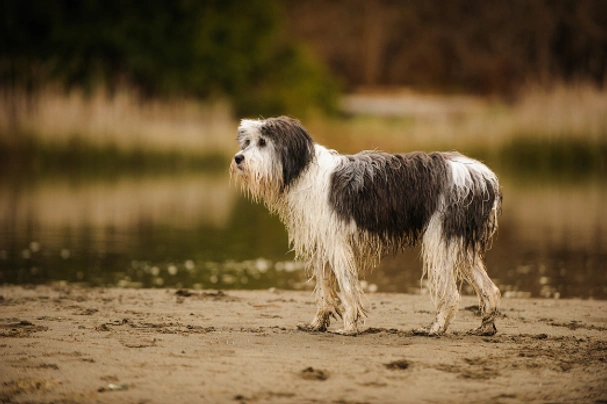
578,110
392,121
122,120
402,121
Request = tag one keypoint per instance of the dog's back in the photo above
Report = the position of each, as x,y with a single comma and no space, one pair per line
394,196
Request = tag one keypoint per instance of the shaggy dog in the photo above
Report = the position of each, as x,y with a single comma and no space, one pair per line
344,212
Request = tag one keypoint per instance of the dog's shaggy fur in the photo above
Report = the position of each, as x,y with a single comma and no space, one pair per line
343,213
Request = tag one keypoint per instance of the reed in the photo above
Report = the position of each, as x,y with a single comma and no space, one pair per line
557,113
123,120
562,128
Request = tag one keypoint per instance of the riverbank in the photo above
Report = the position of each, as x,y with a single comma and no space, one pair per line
72,344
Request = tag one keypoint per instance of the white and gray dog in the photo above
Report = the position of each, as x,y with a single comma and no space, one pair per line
344,212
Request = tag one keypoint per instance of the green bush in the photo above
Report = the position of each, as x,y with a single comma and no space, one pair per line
205,49
295,84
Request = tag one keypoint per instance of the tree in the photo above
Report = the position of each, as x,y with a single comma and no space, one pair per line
165,49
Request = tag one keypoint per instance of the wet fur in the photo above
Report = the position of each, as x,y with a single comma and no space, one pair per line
344,212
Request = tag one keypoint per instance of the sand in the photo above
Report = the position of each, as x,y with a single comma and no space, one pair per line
65,344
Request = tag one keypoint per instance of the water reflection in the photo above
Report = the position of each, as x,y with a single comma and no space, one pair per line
197,231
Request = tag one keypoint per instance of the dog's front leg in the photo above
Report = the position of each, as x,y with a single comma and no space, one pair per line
327,302
351,293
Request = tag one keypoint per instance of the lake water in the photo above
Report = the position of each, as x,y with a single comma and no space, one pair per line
197,231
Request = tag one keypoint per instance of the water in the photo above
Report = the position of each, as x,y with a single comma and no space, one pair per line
197,231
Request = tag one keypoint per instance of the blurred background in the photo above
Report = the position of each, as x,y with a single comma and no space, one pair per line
118,122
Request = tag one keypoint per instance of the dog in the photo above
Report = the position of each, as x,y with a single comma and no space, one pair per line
344,212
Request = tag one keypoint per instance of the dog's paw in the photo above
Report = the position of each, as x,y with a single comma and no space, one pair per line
485,330
424,332
431,331
342,331
311,327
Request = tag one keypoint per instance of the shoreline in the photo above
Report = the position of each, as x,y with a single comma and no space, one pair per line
80,344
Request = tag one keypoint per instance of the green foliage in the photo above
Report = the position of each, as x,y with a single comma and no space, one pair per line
296,85
165,48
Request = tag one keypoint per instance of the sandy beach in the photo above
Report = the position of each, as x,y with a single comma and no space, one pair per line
70,344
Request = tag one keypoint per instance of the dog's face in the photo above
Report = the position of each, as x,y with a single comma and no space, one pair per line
273,154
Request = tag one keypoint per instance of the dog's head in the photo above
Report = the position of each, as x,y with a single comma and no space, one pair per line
273,154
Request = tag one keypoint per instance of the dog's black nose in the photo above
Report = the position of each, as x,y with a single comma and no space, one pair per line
239,158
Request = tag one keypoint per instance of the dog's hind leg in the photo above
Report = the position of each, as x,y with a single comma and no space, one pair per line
488,295
327,301
441,265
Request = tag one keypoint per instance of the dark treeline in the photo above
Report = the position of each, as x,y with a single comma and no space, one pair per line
163,48
479,46
269,56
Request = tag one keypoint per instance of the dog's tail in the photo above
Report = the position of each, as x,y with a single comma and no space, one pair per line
472,203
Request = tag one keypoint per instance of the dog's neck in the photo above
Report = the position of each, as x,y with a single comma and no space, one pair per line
304,203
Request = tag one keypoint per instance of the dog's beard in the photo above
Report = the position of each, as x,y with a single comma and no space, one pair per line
258,184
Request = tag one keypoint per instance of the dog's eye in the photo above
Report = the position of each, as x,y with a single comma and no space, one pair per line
245,144
262,142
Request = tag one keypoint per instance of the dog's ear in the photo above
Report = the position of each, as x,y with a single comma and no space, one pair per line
293,144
